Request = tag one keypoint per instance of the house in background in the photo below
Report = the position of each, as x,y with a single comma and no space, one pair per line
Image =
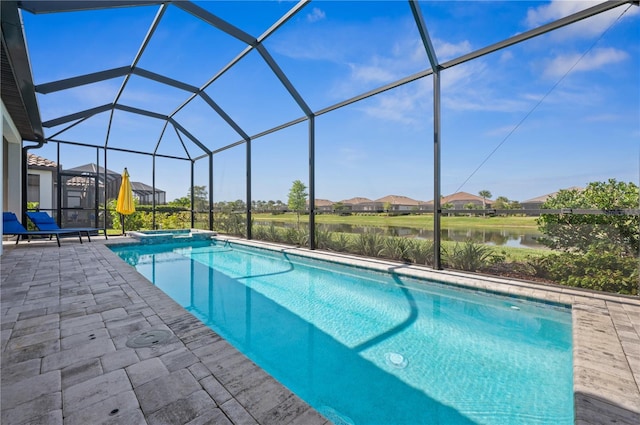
42,181
82,185
357,204
397,203
145,194
461,201
323,206
537,202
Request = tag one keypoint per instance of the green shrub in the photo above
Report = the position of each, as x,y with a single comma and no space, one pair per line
421,252
340,243
604,267
396,248
323,239
471,256
368,244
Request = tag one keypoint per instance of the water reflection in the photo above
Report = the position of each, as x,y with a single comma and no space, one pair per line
501,237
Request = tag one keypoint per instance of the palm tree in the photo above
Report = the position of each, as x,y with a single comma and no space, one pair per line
485,194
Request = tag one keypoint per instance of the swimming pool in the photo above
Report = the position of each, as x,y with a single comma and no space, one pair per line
365,347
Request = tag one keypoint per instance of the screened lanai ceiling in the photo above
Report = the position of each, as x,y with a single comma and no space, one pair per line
187,78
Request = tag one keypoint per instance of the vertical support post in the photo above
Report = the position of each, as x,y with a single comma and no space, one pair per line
248,144
153,189
210,190
96,209
437,211
192,194
59,188
106,192
312,182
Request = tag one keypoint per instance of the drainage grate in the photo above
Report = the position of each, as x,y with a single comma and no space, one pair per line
148,338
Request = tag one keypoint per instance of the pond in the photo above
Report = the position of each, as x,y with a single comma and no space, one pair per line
517,238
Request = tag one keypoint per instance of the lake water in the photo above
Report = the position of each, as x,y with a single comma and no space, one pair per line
502,237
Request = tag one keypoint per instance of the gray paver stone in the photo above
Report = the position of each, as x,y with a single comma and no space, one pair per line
145,371
21,342
237,413
80,372
119,359
30,389
52,418
183,410
164,390
199,371
15,372
129,417
103,410
178,359
215,389
26,412
95,390
83,338
92,349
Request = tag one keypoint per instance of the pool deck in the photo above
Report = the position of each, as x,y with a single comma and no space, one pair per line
67,314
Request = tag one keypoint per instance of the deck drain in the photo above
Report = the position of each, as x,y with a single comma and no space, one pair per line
148,338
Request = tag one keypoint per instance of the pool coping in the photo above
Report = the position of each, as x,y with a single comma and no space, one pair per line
606,342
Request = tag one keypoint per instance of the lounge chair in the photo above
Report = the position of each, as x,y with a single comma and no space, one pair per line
44,221
11,226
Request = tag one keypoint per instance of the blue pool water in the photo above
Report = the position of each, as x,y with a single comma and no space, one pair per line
366,347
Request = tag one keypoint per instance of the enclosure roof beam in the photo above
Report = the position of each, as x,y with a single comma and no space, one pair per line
193,138
140,112
147,38
374,92
284,80
182,143
66,142
96,77
165,80
82,80
224,115
280,22
78,115
424,34
164,127
217,22
53,6
587,13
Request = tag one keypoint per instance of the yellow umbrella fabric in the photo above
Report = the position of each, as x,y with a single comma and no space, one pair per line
125,197
125,205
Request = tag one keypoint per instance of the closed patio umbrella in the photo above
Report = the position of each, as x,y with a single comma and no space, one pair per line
125,205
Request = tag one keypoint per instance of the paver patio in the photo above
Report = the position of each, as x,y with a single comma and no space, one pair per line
68,313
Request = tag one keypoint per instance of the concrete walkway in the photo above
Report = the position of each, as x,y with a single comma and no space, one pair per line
70,316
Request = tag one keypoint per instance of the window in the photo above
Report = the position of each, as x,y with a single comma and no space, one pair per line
33,188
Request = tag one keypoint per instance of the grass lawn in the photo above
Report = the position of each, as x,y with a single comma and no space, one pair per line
412,221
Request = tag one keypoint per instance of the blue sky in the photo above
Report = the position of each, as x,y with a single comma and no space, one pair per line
556,111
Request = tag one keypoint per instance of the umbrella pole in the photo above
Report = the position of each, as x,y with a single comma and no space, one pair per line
122,220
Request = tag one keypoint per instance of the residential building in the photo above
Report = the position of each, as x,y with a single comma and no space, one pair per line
462,200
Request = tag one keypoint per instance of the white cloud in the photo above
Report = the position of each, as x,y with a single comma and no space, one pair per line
405,104
586,28
446,50
316,15
371,73
596,59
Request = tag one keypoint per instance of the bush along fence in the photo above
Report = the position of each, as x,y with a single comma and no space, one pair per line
609,271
